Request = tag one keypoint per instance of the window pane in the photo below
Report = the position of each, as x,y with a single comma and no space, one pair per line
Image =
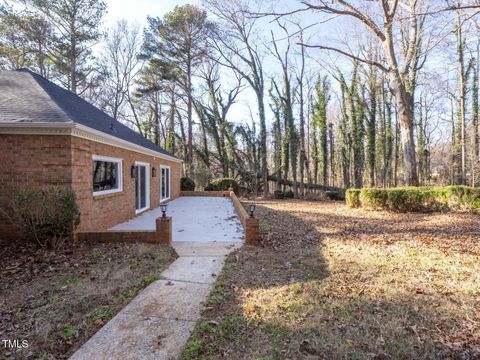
105,175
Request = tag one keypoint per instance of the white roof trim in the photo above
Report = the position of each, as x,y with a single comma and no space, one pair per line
81,131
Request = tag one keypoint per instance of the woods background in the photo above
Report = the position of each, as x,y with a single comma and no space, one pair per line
277,95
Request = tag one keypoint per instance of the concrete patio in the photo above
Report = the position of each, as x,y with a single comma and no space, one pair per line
194,218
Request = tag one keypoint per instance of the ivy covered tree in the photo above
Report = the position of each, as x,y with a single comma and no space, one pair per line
319,130
371,125
357,113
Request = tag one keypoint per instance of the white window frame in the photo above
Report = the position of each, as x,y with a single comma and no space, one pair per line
119,175
147,189
169,183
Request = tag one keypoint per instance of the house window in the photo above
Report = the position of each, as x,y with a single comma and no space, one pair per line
164,183
107,175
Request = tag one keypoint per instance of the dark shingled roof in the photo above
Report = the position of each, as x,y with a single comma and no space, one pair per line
26,97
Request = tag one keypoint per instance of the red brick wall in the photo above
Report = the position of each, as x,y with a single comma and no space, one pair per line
30,160
104,211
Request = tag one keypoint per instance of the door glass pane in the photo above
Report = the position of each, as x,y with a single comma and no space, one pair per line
137,194
163,188
167,181
143,187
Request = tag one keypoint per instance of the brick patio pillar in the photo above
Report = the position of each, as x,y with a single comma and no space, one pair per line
252,231
164,230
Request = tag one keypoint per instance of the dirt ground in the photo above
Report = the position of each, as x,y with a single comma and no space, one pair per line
58,300
331,282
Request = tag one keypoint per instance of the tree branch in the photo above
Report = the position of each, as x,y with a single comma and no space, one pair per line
351,56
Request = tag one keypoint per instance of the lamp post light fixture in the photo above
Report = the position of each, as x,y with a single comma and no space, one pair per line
154,172
251,209
132,172
163,207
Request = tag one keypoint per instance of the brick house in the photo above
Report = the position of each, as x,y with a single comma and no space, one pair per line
49,135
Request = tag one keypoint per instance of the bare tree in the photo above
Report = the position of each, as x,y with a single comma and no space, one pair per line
236,43
215,110
120,65
301,113
286,99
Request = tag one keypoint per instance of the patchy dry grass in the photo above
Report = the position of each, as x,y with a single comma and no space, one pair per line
57,300
337,283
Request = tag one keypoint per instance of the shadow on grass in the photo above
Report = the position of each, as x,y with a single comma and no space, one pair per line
285,301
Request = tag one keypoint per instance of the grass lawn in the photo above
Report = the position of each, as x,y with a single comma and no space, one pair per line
57,301
339,283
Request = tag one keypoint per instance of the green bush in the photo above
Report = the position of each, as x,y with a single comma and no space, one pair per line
223,184
352,197
424,198
335,195
279,194
187,184
48,214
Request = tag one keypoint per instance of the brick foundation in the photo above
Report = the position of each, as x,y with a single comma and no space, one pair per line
162,234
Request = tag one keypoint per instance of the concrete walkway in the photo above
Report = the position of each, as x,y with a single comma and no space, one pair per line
159,321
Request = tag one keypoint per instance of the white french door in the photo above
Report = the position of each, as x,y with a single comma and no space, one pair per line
164,183
142,187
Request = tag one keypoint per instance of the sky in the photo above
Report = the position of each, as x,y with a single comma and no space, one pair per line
138,10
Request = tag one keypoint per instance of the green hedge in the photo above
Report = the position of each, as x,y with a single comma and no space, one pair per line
416,198
187,184
223,184
280,194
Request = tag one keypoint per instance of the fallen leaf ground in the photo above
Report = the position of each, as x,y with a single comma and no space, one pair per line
58,300
337,283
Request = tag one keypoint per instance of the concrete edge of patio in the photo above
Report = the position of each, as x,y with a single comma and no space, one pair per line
152,227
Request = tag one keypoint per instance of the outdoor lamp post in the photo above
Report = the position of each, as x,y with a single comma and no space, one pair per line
163,207
251,209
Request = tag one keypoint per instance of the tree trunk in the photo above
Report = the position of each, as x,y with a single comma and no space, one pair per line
403,101
302,143
263,142
189,119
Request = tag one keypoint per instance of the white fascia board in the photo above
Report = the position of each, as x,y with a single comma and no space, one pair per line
81,131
